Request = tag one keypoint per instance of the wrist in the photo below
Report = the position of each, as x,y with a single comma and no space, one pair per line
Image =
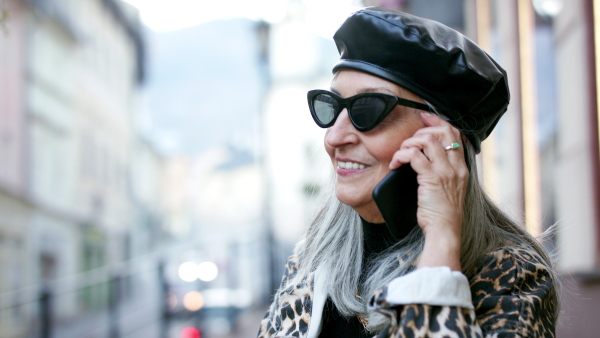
441,248
445,235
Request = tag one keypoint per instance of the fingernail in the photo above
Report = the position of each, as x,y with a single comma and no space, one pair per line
426,117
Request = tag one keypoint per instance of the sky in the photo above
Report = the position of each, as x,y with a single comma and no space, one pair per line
168,15
203,90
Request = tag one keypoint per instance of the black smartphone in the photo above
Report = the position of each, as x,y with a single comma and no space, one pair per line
396,198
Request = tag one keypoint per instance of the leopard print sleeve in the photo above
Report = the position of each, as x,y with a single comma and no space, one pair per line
513,296
423,320
289,313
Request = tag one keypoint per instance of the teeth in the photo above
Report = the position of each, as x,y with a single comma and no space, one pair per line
350,165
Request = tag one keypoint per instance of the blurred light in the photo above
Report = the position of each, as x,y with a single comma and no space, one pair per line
190,332
188,271
242,298
548,8
207,271
193,301
223,297
217,297
171,301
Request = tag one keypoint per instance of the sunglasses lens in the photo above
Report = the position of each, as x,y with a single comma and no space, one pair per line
325,107
366,111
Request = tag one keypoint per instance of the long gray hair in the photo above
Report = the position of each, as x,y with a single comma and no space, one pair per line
334,243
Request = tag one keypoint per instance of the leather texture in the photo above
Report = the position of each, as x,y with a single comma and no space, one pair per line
430,59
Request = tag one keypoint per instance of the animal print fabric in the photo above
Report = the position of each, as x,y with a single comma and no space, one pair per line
512,292
289,314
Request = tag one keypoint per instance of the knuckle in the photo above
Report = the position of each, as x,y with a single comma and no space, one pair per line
417,154
456,133
406,143
414,151
449,130
430,138
463,174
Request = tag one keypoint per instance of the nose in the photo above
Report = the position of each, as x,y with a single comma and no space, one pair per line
342,132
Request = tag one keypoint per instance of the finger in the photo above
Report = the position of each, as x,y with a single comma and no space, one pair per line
414,156
440,126
442,162
449,136
429,143
432,120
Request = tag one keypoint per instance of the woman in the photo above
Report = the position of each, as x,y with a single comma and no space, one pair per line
410,91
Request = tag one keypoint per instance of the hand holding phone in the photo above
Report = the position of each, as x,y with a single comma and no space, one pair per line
396,198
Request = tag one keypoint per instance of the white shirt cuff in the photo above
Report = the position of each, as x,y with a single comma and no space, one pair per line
431,285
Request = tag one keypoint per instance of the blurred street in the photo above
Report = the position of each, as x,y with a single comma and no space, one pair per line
139,323
139,314
247,326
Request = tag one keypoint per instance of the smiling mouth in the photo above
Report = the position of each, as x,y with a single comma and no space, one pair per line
350,165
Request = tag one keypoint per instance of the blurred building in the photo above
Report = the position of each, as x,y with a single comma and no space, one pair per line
204,96
542,161
72,199
15,207
147,177
228,193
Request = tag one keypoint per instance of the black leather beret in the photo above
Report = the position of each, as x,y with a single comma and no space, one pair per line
430,59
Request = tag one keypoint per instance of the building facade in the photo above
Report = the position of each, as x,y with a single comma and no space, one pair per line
542,161
15,206
70,74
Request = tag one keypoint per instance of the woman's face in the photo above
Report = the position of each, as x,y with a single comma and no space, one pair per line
362,159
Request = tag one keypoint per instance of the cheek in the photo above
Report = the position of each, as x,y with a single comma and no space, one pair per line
385,147
385,151
387,154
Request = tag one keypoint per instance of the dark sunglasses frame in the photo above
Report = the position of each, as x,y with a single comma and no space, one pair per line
390,102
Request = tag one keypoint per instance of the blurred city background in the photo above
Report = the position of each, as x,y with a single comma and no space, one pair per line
158,161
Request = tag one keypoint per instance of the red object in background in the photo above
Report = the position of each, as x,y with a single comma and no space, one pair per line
190,332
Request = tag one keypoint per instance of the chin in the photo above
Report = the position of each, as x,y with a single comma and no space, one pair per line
350,198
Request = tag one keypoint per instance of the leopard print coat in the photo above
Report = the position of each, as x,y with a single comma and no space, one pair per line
513,295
